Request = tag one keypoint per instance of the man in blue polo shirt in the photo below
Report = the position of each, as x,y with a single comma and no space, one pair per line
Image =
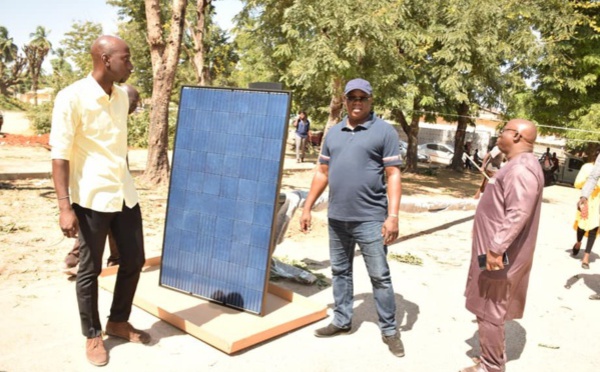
360,161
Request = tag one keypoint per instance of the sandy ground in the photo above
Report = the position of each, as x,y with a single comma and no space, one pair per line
40,328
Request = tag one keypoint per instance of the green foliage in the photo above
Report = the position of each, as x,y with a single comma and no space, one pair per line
221,58
12,65
10,103
40,117
138,128
77,43
140,57
8,49
567,89
62,72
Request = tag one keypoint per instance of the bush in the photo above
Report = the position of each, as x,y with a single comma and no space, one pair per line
11,104
139,129
138,124
40,117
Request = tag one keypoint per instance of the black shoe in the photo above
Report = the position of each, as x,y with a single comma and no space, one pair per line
575,250
394,343
331,331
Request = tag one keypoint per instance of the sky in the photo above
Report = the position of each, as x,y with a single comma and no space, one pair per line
21,17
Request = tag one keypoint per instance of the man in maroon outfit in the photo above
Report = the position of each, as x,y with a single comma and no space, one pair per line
506,222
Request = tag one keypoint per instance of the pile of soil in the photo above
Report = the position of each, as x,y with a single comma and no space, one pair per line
7,139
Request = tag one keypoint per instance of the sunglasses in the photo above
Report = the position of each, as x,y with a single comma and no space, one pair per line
357,99
505,129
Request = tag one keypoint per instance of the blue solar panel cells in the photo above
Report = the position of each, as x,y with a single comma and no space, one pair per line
223,194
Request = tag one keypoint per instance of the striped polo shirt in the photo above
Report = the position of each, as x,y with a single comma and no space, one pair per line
357,159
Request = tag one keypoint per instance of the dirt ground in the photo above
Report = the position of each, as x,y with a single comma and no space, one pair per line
40,330
33,248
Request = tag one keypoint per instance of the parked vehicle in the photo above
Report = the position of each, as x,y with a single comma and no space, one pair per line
567,172
438,152
421,157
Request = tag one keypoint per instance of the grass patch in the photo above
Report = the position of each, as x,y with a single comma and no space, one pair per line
406,258
12,227
321,281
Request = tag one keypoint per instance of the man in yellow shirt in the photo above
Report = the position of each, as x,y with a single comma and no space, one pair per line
95,190
72,258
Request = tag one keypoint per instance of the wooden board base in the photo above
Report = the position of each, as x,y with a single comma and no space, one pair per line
226,329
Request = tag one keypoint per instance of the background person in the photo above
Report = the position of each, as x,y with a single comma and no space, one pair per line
302,125
546,163
476,157
357,157
491,163
587,225
506,222
96,192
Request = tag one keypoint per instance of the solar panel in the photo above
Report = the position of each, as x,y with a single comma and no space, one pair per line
223,193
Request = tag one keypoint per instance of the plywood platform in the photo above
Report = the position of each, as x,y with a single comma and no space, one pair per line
226,329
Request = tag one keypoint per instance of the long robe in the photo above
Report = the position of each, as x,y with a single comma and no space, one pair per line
506,220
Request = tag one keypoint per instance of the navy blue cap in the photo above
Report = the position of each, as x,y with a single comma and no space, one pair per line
359,84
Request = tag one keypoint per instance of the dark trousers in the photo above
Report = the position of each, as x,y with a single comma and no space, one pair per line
93,229
591,238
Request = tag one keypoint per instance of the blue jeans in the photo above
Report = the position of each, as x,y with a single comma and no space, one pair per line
343,237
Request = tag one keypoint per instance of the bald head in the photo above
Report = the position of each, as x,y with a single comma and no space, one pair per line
517,136
105,45
111,61
526,128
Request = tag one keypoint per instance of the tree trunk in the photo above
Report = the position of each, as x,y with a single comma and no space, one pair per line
165,58
198,35
335,106
412,133
459,139
34,87
35,55
12,77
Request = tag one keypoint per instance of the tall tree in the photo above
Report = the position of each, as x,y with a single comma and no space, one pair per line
133,28
315,46
35,52
199,29
406,70
77,42
484,53
164,51
567,88
221,58
11,64
8,49
62,72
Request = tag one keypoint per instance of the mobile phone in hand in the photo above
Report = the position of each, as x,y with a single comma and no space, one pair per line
482,258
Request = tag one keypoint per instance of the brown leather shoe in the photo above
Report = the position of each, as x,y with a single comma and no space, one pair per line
126,331
95,351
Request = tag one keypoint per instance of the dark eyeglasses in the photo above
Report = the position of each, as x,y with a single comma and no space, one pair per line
505,129
357,99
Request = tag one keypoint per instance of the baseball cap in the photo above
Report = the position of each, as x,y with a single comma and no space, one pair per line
359,84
